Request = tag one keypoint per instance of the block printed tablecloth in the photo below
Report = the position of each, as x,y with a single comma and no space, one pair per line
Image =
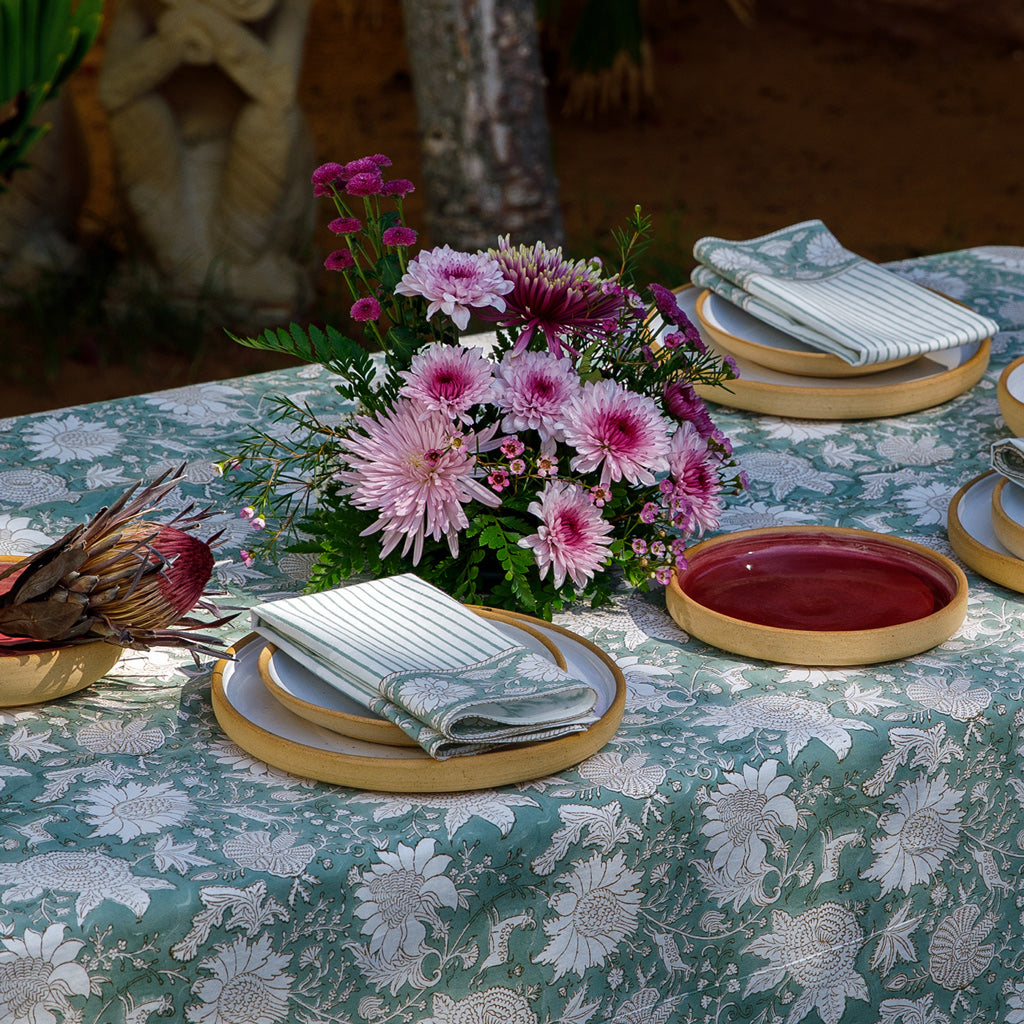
758,843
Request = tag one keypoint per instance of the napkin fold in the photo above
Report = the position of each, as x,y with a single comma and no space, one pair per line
802,281
410,653
1007,457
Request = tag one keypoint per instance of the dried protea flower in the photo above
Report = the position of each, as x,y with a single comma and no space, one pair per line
118,578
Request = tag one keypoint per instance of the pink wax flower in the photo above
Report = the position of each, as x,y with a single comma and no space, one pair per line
399,235
340,259
365,309
406,468
448,379
512,447
573,537
619,430
568,302
346,225
534,390
455,283
693,470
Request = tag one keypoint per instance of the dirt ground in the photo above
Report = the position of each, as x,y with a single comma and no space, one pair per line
903,145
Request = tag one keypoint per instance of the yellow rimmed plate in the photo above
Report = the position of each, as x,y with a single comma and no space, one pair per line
1008,516
309,697
818,595
971,532
737,332
1010,394
927,381
260,725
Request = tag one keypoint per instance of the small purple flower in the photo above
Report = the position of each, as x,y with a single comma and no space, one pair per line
248,512
327,173
683,403
340,259
639,546
364,309
649,513
663,575
512,447
346,225
363,185
517,467
498,479
400,187
600,495
246,557
399,235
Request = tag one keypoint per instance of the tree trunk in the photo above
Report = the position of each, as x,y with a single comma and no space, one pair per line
486,147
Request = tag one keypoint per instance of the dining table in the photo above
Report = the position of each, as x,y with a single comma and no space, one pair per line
757,841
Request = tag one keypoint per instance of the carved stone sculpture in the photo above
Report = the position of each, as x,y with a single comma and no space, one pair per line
211,151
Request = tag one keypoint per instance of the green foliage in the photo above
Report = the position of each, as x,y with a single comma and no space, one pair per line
41,43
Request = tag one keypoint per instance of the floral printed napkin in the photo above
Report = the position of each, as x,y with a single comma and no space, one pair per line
802,281
410,653
1007,457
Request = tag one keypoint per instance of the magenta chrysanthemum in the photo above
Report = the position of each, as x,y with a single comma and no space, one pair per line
533,389
568,301
399,187
682,402
408,469
448,379
340,259
573,538
694,491
345,225
364,309
619,430
398,235
365,184
455,282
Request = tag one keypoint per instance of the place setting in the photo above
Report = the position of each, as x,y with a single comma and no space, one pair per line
818,332
985,520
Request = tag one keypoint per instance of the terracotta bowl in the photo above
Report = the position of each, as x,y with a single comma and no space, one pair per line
47,674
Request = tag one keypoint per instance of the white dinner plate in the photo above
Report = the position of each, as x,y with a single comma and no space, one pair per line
311,697
743,335
927,381
970,529
262,726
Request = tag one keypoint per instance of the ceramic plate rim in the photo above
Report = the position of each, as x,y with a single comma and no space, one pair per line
1010,405
995,564
1008,530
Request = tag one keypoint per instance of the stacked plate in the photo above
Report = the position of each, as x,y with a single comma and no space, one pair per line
281,713
782,376
986,528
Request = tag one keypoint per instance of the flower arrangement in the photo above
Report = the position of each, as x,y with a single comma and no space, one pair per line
517,472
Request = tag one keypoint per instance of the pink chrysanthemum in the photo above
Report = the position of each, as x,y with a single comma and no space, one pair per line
409,470
573,538
568,302
619,430
448,379
694,496
534,389
364,309
455,282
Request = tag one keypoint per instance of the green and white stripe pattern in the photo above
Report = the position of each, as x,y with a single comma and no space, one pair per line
802,281
408,652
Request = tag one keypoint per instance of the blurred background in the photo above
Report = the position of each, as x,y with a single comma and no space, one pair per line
900,124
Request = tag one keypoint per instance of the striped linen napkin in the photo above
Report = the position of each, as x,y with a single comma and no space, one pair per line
802,281
1007,458
410,653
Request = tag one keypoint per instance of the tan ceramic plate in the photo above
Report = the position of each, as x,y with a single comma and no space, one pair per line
311,698
1008,516
818,595
927,381
260,725
972,534
1010,393
740,334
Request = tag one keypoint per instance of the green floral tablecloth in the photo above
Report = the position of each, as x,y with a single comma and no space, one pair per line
758,843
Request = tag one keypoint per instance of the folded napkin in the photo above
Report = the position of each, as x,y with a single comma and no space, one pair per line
802,281
411,653
1007,457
